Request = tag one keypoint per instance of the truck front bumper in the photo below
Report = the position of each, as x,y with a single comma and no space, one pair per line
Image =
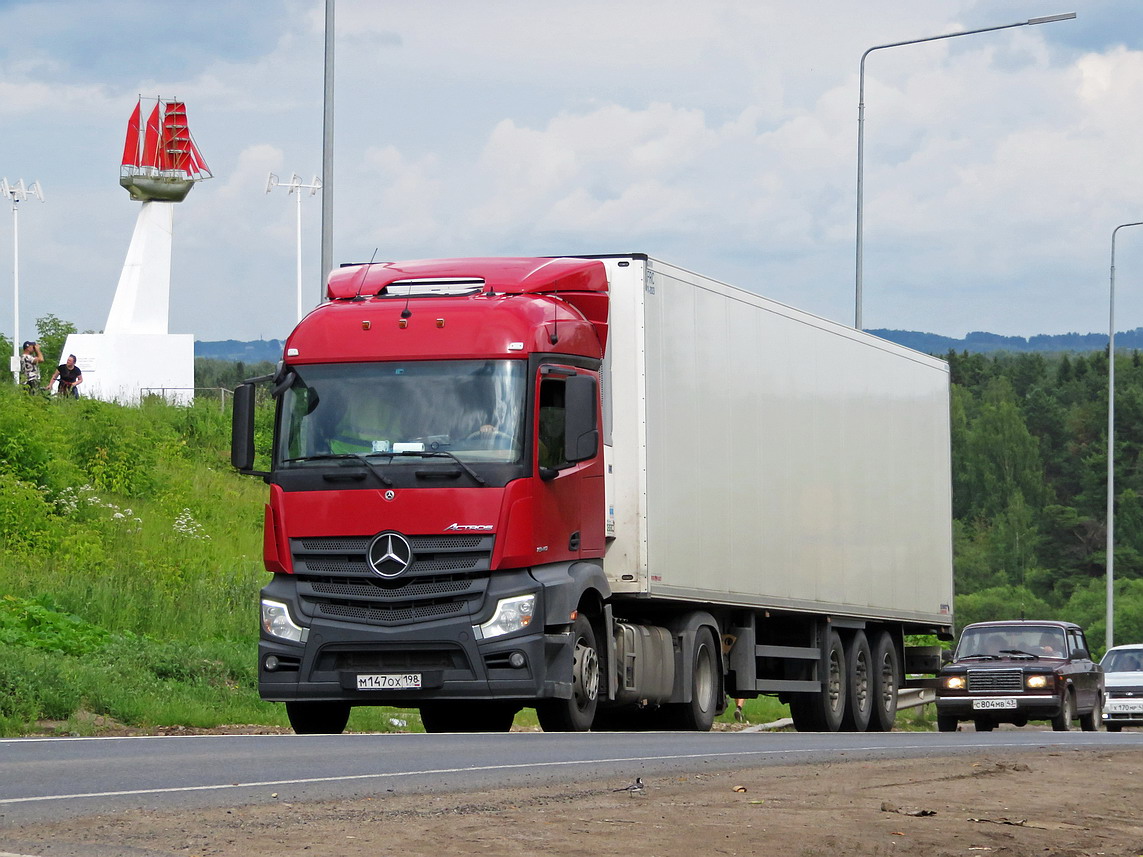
406,664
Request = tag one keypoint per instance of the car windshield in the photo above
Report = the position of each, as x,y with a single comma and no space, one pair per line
471,409
999,641
1123,661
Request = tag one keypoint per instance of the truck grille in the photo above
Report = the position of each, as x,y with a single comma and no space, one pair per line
998,680
448,577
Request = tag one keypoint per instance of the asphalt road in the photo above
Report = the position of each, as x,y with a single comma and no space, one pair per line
51,778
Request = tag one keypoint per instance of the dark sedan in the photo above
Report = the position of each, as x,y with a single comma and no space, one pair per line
1018,671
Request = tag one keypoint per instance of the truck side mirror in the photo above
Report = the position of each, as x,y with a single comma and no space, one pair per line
581,436
242,428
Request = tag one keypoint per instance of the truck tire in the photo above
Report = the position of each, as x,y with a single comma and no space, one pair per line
886,683
577,713
859,698
318,718
823,711
1093,720
465,716
1062,722
698,714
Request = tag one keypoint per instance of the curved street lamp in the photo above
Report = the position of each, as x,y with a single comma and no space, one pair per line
1111,445
1048,19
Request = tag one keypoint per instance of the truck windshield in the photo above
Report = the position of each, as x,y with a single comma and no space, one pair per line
471,409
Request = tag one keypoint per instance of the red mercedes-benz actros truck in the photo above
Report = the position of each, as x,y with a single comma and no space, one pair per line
605,488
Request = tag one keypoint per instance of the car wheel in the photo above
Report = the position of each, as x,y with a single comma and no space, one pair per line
1091,721
946,724
1114,727
984,725
1062,722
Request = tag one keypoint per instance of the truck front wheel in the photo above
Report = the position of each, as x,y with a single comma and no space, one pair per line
318,718
576,714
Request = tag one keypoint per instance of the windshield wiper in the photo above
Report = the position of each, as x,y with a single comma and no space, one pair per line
1020,652
441,453
979,655
363,457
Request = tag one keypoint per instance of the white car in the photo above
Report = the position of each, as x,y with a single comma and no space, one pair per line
1123,682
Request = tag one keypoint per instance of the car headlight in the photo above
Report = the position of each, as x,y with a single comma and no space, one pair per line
511,614
276,622
953,682
1037,681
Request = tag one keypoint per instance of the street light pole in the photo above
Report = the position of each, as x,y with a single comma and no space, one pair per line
861,123
295,186
1111,445
17,193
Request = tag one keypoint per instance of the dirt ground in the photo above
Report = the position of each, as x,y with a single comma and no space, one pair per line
1063,803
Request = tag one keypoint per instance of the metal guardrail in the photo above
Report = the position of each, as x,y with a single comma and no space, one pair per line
907,697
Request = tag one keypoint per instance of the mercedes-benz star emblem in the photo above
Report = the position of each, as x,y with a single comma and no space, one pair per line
390,554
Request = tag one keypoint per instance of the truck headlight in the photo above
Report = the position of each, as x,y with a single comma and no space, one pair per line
511,614
276,622
953,682
1037,681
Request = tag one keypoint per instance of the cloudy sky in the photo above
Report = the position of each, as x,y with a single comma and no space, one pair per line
720,136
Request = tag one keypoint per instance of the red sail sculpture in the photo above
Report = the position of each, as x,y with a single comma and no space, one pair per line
160,160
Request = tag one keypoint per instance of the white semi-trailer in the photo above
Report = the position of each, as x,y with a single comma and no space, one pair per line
604,487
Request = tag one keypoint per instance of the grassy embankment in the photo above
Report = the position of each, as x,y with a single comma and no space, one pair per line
129,573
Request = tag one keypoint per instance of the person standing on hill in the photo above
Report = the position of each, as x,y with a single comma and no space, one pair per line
69,376
30,359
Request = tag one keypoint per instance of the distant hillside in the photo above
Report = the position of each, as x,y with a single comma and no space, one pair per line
981,342
930,343
247,352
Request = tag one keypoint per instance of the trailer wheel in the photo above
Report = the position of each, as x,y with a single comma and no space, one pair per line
823,711
886,676
576,714
698,714
859,699
318,718
465,716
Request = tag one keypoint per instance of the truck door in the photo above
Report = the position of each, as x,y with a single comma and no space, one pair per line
569,509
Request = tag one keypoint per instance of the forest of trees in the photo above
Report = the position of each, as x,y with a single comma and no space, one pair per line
1029,437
